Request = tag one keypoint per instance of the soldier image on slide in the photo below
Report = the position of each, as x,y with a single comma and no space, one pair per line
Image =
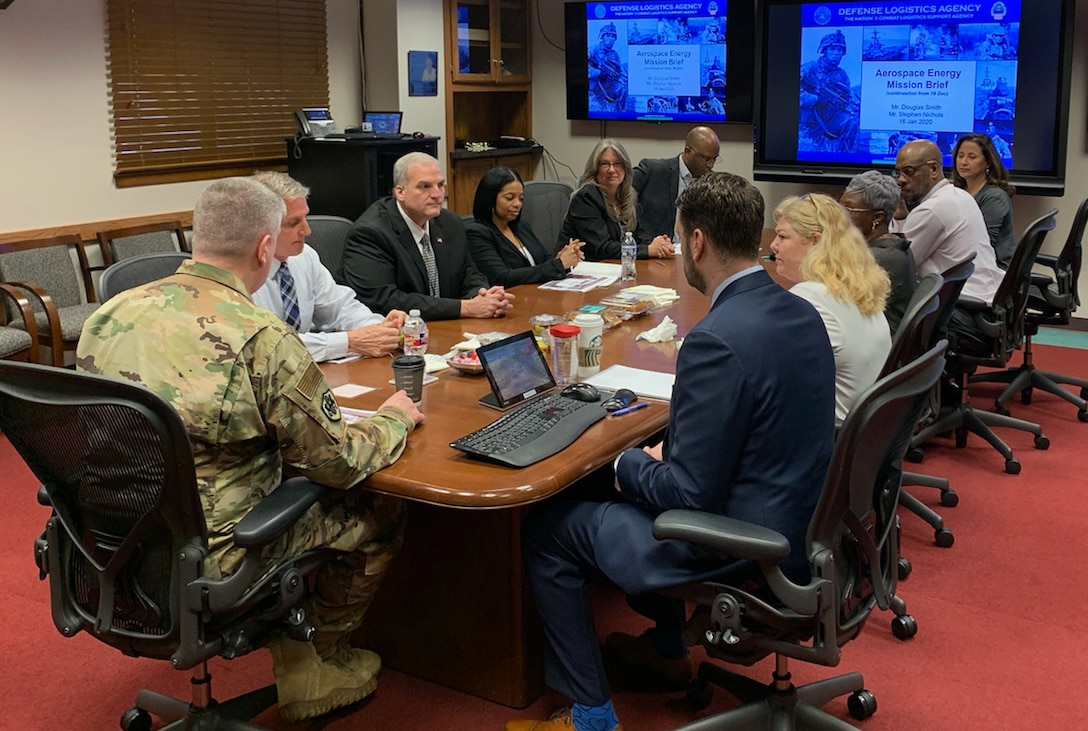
607,76
828,106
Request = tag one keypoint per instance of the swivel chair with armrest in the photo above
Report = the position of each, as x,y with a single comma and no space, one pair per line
916,334
1052,301
328,235
852,554
544,208
141,269
1002,322
125,546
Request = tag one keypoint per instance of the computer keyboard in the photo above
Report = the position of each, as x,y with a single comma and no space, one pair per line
532,431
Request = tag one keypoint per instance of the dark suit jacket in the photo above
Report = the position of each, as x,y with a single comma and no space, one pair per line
657,183
502,263
383,265
587,219
751,428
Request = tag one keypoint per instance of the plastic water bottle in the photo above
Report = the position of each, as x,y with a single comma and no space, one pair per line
628,254
415,334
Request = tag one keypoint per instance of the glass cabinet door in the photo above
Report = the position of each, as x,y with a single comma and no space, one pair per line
492,40
513,39
474,56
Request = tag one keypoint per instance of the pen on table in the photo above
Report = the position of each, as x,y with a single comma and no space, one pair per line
629,409
661,264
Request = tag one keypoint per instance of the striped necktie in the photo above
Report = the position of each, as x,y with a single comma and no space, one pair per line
290,297
429,262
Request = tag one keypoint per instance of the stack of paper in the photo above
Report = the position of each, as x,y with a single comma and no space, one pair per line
660,296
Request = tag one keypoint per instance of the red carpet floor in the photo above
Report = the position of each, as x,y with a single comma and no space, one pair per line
1001,617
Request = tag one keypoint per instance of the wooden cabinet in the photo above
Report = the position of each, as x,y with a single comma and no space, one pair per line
491,41
489,70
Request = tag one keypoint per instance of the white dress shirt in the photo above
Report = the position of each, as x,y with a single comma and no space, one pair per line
944,229
327,310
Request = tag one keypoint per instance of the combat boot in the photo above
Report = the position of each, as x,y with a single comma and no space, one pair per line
309,686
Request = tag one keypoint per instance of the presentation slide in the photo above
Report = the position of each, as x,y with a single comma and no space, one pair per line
876,75
662,58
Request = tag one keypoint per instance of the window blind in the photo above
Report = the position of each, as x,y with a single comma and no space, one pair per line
203,89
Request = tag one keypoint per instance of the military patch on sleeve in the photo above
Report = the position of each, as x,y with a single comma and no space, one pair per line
310,381
329,406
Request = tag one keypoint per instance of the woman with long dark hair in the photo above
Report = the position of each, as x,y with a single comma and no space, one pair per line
503,246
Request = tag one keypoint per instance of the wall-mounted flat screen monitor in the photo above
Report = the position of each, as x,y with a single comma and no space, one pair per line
687,61
843,85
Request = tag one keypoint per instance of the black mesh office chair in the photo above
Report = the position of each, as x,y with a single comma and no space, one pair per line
125,545
1002,323
852,550
544,208
1052,301
140,269
917,333
328,234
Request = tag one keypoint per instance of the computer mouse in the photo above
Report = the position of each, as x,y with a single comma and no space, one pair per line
418,135
621,399
582,392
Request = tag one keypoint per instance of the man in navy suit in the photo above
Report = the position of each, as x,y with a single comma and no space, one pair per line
407,252
659,181
751,427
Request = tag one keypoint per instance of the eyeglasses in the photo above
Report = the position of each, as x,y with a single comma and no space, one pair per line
602,165
706,158
908,171
860,210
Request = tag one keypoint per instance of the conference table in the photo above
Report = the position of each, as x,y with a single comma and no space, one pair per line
455,607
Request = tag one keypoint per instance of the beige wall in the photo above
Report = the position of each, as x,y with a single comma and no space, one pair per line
56,164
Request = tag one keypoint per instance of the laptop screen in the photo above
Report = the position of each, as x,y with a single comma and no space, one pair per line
516,369
383,122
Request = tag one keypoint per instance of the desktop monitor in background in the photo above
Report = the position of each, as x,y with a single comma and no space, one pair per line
687,62
843,85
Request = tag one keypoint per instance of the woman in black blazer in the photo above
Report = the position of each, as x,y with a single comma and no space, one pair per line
503,246
605,207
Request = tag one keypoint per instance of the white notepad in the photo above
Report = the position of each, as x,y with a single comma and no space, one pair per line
648,384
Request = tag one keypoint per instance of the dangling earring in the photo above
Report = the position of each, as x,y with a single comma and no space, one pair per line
873,227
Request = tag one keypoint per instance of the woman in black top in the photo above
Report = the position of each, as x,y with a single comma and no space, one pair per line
606,205
503,246
871,199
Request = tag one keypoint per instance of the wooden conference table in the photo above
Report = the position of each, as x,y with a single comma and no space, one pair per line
455,607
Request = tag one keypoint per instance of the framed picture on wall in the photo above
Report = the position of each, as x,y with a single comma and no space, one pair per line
423,73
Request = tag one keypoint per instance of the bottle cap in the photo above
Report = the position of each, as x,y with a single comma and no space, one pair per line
565,331
413,313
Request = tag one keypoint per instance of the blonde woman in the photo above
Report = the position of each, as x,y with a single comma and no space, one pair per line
817,247
606,206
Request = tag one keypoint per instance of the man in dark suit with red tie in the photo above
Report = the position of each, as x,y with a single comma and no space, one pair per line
407,252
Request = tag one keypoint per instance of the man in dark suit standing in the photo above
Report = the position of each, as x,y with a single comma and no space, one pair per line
751,427
659,181
407,252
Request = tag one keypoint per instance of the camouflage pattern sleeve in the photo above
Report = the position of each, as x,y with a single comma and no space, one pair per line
313,436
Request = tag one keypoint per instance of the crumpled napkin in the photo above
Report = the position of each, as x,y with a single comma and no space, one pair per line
662,333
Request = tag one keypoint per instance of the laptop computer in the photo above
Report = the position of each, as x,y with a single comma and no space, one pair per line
384,123
516,369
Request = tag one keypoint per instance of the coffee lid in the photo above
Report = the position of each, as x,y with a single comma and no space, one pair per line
588,319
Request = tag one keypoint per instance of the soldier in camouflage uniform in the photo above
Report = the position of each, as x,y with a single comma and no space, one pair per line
254,401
